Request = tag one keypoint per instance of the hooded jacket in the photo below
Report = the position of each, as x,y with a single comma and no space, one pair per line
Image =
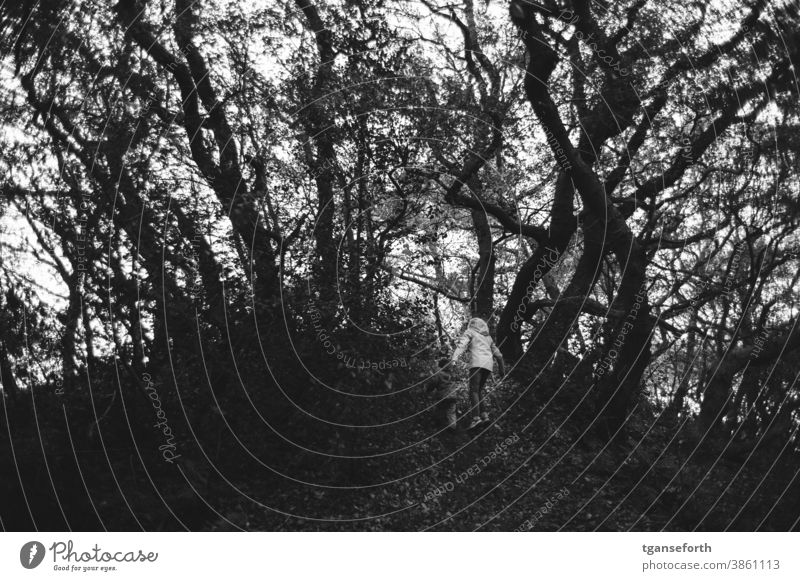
477,341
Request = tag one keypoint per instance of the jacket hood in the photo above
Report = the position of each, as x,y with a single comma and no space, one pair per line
479,325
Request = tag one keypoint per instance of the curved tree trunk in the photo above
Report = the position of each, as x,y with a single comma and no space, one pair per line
562,227
566,309
482,303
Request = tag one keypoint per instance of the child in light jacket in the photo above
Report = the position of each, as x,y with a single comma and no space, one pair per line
482,353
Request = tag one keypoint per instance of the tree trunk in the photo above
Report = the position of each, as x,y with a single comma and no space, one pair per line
627,340
679,397
7,378
482,303
566,310
319,125
562,227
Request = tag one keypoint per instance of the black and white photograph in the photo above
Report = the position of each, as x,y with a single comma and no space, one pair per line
297,266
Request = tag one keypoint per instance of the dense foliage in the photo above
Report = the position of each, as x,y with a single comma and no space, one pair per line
235,237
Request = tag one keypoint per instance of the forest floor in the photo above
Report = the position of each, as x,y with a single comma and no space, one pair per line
532,471
532,468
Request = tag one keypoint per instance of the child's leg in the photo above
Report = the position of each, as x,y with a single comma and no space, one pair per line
450,413
441,414
475,391
484,376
